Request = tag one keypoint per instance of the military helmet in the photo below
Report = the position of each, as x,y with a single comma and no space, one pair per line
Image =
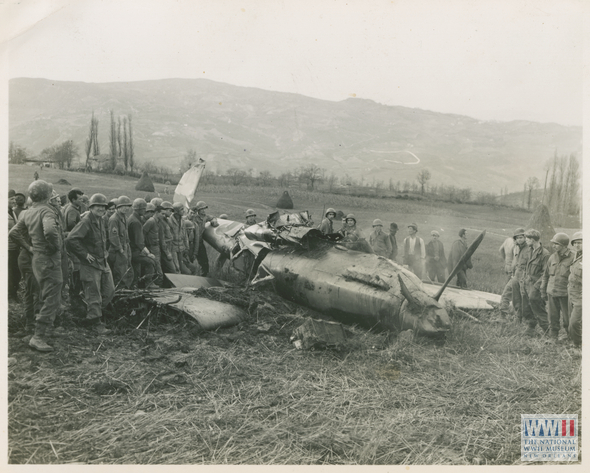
150,207
188,223
201,205
54,195
577,236
250,213
351,216
330,211
123,201
40,190
562,239
112,203
177,206
166,205
377,222
157,201
518,232
224,216
97,199
139,203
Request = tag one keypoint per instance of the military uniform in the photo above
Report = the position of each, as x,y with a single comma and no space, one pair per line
143,265
198,249
89,237
574,292
165,235
533,305
380,243
554,288
151,236
119,251
71,219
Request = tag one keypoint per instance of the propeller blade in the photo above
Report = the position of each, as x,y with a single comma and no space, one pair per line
459,265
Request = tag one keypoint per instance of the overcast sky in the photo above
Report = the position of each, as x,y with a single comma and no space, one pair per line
490,59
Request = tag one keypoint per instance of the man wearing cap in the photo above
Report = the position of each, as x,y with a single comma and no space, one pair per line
19,203
533,305
436,261
165,235
72,215
457,251
88,241
393,228
151,236
574,292
142,260
119,249
250,217
327,225
414,250
39,223
554,283
511,292
379,240
198,250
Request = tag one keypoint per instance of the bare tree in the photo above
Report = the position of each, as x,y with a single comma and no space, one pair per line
119,135
532,184
237,175
113,141
16,154
125,145
332,181
95,145
311,174
285,179
265,178
131,148
189,159
423,177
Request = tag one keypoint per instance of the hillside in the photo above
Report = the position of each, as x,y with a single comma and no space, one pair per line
243,127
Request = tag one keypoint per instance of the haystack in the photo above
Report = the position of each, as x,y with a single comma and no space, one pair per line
145,183
541,220
285,201
63,182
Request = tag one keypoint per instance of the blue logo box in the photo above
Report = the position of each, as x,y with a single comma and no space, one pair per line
549,437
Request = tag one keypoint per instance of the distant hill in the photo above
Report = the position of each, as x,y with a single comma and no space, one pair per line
232,126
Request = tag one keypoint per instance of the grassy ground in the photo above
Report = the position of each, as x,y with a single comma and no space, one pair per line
168,393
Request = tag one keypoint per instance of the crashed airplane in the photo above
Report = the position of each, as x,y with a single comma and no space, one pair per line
325,274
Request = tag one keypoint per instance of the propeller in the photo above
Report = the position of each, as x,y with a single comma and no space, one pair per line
459,265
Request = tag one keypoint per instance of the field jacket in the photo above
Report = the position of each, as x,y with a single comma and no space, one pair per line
200,223
165,235
380,243
40,222
72,217
556,274
574,285
178,234
89,237
536,260
118,235
151,235
135,230
326,227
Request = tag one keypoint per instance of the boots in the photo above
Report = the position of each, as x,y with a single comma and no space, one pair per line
38,341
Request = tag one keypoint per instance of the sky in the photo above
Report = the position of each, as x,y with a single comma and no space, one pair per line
489,59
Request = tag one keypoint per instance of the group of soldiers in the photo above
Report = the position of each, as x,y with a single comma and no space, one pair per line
544,289
96,246
419,257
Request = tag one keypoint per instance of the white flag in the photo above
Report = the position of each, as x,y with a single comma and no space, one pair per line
187,187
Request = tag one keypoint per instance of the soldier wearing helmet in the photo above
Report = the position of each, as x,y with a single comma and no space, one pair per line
414,251
574,292
151,236
87,241
55,202
39,224
111,208
142,260
72,215
379,240
554,283
198,251
533,305
250,217
179,237
119,249
165,235
436,262
511,292
327,225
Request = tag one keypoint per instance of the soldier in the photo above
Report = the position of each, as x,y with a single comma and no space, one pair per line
533,305
14,275
554,283
379,240
436,261
198,251
457,251
327,225
19,203
150,209
119,250
84,204
88,241
414,251
39,222
72,216
574,292
142,260
178,237
393,241
166,260
511,291
55,202
250,217
151,236
111,208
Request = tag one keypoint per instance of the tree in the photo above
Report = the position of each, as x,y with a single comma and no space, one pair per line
237,175
189,159
332,181
265,178
16,154
113,141
285,179
423,177
125,145
311,174
62,154
96,146
119,135
91,143
131,148
532,183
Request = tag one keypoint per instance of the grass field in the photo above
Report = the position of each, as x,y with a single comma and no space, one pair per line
168,393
